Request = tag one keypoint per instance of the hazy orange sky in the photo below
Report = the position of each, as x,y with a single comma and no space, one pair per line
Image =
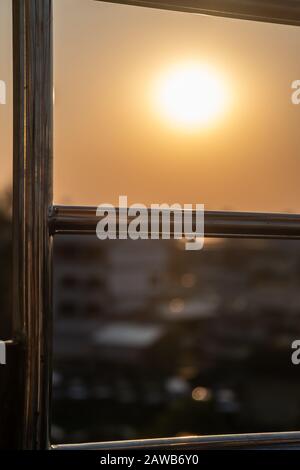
6,110
109,138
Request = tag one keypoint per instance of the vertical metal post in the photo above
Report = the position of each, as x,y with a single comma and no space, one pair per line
32,250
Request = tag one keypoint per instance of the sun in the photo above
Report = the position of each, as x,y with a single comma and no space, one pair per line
191,95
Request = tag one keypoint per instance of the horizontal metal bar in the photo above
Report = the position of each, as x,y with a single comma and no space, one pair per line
273,11
80,220
237,441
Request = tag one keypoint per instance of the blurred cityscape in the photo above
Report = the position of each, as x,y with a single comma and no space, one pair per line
153,341
6,264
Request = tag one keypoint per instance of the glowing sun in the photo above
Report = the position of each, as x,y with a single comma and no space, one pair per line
191,95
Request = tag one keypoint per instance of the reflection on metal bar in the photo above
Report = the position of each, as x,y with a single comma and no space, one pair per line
273,11
28,371
83,220
233,441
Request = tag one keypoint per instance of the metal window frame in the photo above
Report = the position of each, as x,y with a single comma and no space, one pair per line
271,11
25,424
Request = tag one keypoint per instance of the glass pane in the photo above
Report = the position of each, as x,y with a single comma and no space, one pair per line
174,107
153,341
6,111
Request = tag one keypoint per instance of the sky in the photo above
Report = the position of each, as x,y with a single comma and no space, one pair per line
112,137
6,110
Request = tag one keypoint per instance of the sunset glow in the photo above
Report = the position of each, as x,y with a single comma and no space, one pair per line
191,96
